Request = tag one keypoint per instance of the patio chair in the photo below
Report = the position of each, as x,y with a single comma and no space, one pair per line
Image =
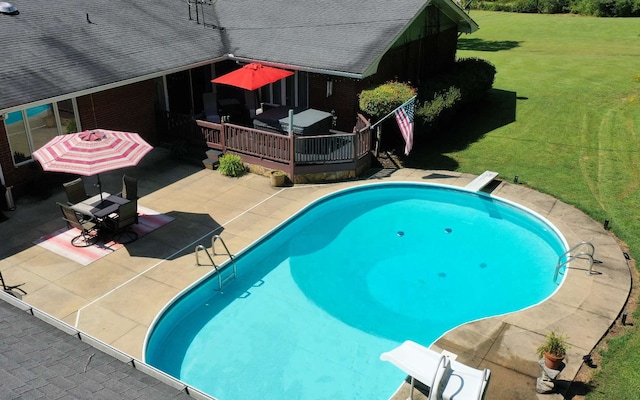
86,225
120,223
75,190
130,191
12,288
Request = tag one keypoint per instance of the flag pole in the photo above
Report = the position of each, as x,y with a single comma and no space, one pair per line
394,110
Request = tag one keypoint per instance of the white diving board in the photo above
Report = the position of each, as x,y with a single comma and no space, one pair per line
481,181
446,378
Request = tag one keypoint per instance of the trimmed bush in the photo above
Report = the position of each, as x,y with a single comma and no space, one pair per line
383,99
466,81
231,165
431,110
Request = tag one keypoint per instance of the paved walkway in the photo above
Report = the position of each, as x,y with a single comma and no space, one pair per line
116,298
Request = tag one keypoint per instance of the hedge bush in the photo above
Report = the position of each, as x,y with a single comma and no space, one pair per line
597,8
379,101
466,81
431,110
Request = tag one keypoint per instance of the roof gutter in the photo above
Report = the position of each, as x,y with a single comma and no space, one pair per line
297,67
112,85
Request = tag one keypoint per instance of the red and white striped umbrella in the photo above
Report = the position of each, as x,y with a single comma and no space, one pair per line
92,152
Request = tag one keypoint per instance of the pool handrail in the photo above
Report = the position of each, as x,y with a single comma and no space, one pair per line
570,257
200,247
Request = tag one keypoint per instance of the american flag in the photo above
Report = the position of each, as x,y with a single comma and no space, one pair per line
404,117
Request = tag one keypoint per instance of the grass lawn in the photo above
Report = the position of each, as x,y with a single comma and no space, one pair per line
564,116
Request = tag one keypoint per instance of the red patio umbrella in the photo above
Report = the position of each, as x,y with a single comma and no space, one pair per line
252,76
92,152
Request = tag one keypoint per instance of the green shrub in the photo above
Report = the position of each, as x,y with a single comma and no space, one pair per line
473,76
607,8
598,8
383,99
466,81
231,165
429,111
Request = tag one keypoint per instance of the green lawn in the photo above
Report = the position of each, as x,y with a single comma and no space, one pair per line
564,115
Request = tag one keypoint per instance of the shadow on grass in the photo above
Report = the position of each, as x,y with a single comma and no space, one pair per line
571,390
487,45
496,109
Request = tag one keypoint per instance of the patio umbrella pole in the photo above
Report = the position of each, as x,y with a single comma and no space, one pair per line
100,190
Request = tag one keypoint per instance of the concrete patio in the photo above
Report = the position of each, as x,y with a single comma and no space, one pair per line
116,298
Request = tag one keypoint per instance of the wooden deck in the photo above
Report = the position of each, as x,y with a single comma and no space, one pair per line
296,155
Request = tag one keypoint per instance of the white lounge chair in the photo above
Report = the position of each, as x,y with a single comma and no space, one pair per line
447,379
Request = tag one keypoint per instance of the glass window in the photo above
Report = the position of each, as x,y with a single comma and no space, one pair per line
18,139
42,125
30,129
295,88
68,122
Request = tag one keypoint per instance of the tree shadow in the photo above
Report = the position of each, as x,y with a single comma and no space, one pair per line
486,45
177,238
496,109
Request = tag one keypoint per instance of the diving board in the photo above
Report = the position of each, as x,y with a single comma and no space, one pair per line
446,378
481,181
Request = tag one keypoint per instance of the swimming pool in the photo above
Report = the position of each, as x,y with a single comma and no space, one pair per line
354,274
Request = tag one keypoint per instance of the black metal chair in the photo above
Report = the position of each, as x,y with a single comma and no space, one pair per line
76,191
12,288
130,191
87,226
120,223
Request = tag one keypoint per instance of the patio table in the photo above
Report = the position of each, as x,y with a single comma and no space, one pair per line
100,205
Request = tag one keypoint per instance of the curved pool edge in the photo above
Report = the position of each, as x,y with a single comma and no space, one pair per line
334,194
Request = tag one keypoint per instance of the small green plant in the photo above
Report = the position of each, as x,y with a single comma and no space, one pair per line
231,165
554,344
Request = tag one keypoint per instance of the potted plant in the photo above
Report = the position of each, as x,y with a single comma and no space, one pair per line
278,178
554,349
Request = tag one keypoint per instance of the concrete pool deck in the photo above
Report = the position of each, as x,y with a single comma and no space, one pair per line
116,298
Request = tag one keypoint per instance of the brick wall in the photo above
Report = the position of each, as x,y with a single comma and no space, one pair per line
344,99
129,108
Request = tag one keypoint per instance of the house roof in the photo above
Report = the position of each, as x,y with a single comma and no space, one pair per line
73,47
40,361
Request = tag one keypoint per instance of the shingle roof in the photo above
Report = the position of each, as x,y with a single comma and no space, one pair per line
55,48
38,360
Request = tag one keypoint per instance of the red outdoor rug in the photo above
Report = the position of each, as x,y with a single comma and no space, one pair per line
59,241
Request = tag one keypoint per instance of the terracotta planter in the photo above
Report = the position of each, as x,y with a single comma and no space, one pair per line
278,178
552,362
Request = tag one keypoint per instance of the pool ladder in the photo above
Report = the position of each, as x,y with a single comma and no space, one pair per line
567,257
199,248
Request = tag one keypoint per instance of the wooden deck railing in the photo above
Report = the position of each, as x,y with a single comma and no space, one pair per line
281,151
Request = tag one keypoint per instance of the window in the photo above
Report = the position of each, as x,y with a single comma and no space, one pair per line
292,91
30,129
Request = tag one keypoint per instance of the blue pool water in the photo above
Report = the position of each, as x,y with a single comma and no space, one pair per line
353,275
